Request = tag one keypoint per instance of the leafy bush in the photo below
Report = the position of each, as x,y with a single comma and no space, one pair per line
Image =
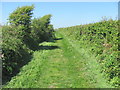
21,37
22,16
13,48
42,30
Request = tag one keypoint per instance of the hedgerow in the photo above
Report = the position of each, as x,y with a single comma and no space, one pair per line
42,30
21,37
102,39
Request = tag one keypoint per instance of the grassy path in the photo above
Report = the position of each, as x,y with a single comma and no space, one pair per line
61,64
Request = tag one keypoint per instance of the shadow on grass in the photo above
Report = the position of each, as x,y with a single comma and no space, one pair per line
58,38
54,40
48,47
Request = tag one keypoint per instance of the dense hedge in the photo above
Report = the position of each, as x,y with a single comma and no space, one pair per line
102,39
13,49
42,30
21,37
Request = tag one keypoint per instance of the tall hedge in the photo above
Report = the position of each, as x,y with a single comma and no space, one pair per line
21,37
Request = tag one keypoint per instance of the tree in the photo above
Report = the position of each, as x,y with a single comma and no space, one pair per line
22,16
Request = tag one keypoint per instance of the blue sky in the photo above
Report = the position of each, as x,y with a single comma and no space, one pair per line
66,13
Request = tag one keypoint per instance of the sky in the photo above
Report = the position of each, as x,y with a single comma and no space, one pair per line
65,14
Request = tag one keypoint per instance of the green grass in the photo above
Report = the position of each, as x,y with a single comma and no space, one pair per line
68,66
101,40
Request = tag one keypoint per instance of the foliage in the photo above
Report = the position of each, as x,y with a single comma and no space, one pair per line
22,16
21,38
42,30
102,39
13,49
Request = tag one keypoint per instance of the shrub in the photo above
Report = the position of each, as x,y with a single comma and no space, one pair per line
42,30
13,48
21,38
